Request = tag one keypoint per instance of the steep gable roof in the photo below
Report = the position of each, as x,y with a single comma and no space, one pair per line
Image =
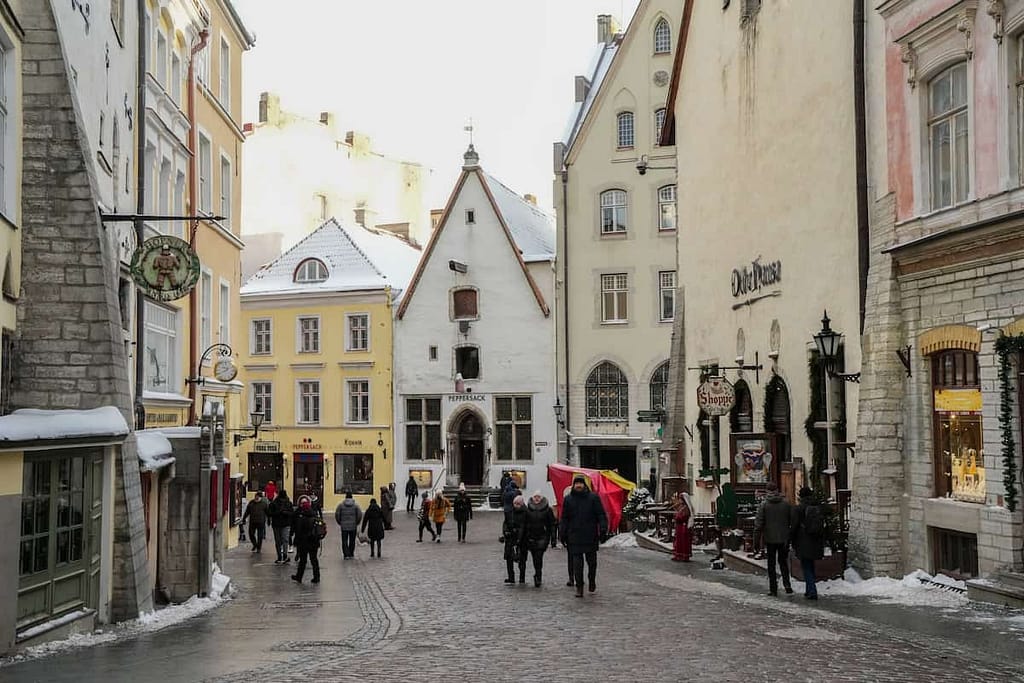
530,225
668,131
356,259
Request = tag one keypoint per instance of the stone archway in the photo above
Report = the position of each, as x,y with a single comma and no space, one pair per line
467,436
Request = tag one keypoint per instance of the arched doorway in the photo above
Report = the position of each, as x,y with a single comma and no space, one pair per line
469,434
777,417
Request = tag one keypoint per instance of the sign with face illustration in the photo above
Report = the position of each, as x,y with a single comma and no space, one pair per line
754,462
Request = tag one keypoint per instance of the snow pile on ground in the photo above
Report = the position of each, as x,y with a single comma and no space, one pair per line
621,541
906,591
149,622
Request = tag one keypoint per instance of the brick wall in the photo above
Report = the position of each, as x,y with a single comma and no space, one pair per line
68,352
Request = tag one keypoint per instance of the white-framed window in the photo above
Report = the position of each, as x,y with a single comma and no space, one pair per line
226,176
205,174
607,394
353,473
311,271
206,309
161,354
308,399
948,137
513,427
176,78
224,331
662,37
667,207
659,124
613,211
666,295
358,401
423,429
659,387
357,334
161,59
261,340
263,400
614,294
203,66
625,134
308,328
225,74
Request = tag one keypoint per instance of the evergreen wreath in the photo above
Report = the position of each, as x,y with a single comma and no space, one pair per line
818,439
1005,346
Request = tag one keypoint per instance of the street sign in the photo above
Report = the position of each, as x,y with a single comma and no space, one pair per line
165,268
650,416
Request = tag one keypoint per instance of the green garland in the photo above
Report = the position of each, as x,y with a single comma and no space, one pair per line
818,439
1005,347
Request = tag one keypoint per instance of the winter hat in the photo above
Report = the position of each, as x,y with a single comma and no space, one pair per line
579,478
518,501
304,503
462,487
426,494
348,494
536,494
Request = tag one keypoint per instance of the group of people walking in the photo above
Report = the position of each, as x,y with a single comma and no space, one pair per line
434,511
781,525
293,526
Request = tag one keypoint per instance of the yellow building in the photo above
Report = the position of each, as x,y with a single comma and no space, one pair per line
318,363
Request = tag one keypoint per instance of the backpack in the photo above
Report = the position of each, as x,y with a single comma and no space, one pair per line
319,528
814,523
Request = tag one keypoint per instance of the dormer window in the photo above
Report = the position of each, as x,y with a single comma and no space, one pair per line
310,271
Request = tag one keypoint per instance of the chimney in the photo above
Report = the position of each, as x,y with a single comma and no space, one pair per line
558,157
530,198
325,118
359,142
582,86
435,217
270,108
605,28
366,217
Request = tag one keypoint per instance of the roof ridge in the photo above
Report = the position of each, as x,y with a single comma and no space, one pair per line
522,200
362,253
259,274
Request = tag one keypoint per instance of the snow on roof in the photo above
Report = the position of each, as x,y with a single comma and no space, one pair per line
34,425
356,259
532,229
180,432
604,53
153,449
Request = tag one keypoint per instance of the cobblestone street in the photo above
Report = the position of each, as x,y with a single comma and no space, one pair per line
429,610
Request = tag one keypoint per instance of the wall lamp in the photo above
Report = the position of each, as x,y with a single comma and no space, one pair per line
558,408
256,417
642,166
458,266
827,340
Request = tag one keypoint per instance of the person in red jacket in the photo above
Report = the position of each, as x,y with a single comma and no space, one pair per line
270,490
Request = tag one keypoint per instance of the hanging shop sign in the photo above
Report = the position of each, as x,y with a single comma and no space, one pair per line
716,396
165,268
750,279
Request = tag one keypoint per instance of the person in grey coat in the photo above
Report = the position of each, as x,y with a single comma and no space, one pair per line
774,524
348,515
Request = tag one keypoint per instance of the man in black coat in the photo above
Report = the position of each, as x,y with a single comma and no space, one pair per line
582,526
411,490
305,539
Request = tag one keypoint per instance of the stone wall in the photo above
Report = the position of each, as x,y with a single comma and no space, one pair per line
68,350
183,526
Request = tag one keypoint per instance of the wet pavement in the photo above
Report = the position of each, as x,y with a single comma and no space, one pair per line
441,610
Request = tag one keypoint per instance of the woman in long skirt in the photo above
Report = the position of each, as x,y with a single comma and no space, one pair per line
682,545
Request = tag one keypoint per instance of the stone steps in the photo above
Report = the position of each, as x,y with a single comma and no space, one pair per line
480,495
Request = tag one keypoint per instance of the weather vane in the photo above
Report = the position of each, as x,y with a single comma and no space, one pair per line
469,129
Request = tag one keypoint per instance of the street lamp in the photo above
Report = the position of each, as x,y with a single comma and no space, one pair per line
827,340
256,418
558,408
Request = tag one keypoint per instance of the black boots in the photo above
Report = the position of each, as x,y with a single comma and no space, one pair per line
536,580
579,591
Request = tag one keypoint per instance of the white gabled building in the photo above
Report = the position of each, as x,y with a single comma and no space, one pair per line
474,342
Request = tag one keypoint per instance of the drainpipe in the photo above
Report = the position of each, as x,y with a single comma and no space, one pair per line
565,306
140,208
193,204
860,124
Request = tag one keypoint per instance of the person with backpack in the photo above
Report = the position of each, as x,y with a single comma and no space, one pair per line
809,539
306,539
424,517
774,525
281,513
462,511
373,526
411,489
348,515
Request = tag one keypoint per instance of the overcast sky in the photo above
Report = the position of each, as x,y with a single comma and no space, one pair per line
411,73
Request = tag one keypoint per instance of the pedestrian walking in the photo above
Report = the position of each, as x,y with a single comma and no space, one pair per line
513,531
386,507
256,513
809,539
541,529
774,524
270,491
505,479
348,515
568,557
439,512
424,518
583,526
373,526
389,510
508,495
306,539
462,511
682,542
411,489
281,513
652,484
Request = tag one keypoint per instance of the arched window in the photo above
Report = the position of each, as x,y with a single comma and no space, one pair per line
607,394
741,417
959,450
659,124
613,211
667,207
659,387
625,129
777,416
311,270
662,37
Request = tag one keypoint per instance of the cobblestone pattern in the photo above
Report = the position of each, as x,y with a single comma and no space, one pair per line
69,351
